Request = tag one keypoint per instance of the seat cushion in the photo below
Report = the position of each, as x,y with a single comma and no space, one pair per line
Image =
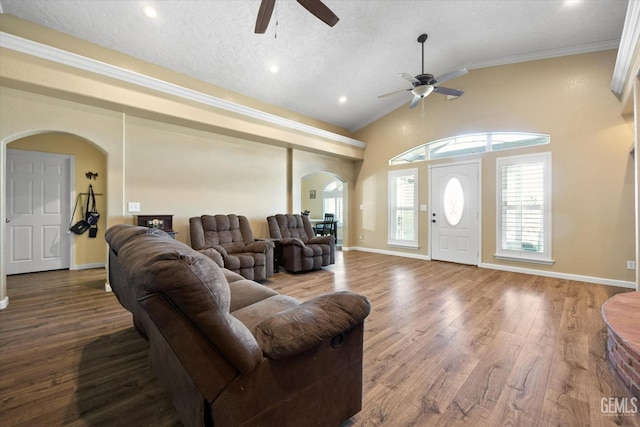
246,292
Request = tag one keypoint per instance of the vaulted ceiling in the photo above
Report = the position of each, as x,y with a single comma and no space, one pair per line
357,59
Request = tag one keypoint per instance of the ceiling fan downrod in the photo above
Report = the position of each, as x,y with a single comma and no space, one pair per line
421,39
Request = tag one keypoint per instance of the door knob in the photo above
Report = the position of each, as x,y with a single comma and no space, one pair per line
433,220
7,220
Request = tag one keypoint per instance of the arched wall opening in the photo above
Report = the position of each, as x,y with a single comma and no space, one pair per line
89,167
325,192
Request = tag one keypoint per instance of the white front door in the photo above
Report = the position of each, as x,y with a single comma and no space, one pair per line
455,212
37,211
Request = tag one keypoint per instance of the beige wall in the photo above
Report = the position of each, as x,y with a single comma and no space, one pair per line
186,172
169,169
593,180
87,251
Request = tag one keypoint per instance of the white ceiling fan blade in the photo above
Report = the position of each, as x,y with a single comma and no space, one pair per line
451,75
409,77
448,91
415,101
393,93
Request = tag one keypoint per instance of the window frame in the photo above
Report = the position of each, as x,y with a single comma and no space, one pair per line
544,257
394,175
337,196
479,143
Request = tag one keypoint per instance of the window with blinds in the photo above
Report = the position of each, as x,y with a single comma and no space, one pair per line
403,208
332,200
524,208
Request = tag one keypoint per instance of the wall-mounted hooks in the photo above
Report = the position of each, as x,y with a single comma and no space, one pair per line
90,175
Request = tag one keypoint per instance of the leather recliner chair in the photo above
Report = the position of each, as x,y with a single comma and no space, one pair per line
228,240
299,249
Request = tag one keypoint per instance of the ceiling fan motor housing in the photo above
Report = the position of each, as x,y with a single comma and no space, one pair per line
425,79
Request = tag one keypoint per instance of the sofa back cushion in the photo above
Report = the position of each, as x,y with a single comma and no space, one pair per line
232,232
120,234
195,286
283,226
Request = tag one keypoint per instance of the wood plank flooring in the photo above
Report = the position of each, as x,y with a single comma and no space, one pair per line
444,345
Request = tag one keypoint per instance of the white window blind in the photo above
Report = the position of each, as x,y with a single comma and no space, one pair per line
403,200
333,205
524,214
332,200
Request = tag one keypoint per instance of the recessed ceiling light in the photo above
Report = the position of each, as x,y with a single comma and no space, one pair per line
150,12
571,3
274,68
342,99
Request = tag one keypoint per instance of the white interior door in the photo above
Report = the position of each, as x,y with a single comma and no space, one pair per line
37,212
455,213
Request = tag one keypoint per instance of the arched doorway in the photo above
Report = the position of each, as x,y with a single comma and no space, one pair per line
324,192
87,167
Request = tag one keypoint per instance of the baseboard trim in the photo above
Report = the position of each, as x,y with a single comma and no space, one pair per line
558,275
530,271
385,252
88,266
4,303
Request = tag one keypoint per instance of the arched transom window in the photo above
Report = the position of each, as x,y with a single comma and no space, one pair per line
469,144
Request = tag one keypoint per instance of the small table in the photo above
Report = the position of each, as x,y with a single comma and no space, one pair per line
277,251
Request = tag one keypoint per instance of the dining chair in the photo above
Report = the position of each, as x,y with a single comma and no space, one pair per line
327,227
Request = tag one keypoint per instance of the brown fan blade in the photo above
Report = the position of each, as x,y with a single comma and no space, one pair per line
447,91
264,16
321,11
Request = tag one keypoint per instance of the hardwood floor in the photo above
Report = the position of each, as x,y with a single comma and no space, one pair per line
445,344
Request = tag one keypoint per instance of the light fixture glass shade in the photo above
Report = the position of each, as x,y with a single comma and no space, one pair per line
422,90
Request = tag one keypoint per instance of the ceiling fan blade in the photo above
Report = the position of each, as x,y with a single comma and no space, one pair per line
321,11
264,16
448,91
410,78
415,101
451,75
393,93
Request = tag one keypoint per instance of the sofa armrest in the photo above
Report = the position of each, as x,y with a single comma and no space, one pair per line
305,326
260,246
222,251
291,241
323,240
216,256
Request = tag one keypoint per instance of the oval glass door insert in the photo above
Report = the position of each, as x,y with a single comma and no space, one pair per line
453,199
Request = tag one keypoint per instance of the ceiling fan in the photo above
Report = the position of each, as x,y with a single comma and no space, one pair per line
424,84
316,7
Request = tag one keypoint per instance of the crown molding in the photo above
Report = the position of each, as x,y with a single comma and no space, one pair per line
629,42
545,54
39,50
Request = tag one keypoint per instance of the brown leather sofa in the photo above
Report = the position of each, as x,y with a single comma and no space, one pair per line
230,351
229,238
299,249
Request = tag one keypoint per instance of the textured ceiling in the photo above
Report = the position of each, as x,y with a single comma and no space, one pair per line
359,58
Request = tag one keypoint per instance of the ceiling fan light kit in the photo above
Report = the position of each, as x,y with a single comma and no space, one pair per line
424,84
422,91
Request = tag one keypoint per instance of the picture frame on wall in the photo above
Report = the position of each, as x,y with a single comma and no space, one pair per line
312,194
